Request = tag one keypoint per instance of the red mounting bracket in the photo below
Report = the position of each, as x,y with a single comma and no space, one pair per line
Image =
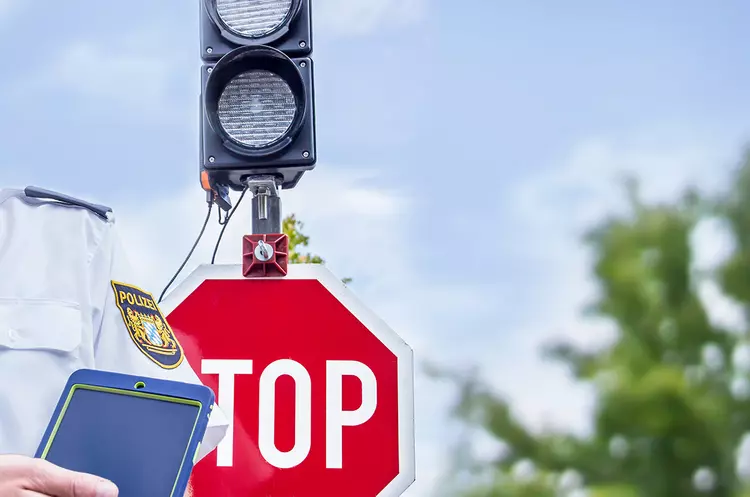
265,256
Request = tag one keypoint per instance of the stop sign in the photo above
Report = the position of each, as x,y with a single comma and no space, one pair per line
319,391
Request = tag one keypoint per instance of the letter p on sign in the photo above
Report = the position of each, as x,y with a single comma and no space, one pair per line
336,417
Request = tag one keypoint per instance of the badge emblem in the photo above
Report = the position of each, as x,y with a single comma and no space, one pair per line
147,326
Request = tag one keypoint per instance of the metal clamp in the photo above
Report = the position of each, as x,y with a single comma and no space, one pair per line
266,203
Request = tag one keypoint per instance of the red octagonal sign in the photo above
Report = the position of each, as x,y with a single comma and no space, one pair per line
319,390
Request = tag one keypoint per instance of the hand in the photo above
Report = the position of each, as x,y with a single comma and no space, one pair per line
26,477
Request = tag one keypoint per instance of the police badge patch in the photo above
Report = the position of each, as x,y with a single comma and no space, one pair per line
147,326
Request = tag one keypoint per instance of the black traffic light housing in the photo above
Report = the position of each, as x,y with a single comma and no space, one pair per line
283,52
294,37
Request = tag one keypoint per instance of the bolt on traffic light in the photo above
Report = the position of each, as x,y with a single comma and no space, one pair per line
257,99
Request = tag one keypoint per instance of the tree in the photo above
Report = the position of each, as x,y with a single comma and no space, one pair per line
292,227
672,389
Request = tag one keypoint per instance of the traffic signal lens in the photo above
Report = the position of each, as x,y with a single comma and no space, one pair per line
256,108
254,18
255,99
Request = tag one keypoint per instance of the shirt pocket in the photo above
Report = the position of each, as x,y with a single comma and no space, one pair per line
40,325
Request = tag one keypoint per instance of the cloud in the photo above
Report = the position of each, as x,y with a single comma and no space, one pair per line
124,77
587,184
129,77
8,7
362,17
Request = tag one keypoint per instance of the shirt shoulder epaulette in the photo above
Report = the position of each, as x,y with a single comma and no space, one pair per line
102,211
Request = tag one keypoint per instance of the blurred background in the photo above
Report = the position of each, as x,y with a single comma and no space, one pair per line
550,202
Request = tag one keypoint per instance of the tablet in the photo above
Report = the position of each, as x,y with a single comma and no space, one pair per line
143,434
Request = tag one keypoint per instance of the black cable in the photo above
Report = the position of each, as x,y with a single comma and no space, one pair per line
200,235
226,223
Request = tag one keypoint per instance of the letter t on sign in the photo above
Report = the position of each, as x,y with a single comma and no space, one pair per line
226,369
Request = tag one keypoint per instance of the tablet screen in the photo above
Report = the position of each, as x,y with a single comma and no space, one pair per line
138,442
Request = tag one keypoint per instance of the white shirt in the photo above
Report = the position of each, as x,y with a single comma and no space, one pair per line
59,313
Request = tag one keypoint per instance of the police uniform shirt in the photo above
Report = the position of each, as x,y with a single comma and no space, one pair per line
60,267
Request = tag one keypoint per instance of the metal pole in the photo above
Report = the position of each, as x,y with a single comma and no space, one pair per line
266,214
266,204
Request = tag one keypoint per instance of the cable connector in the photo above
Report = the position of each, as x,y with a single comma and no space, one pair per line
221,197
216,193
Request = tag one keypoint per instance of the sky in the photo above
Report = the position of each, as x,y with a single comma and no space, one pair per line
463,149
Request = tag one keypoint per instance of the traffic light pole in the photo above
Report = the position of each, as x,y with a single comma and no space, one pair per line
265,253
266,204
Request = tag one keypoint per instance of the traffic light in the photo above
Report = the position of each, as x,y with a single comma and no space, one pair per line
257,109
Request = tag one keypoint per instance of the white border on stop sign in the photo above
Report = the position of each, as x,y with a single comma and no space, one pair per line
372,322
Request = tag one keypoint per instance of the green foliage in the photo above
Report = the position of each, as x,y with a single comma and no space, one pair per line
292,228
666,421
297,240
507,487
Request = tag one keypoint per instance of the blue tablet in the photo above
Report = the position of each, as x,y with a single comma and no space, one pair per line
141,433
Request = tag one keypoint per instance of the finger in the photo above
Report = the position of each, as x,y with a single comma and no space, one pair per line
52,480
